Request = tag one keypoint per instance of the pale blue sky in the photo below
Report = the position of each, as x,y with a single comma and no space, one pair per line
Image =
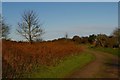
76,18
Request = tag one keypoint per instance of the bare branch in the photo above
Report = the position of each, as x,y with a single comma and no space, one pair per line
30,27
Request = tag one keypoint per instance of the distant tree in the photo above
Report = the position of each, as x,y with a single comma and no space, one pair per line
30,28
84,40
91,38
66,35
39,40
4,28
76,39
102,40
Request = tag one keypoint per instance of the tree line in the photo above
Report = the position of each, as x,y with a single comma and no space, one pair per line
101,40
31,29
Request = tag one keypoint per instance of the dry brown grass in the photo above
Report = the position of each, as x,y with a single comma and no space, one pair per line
23,57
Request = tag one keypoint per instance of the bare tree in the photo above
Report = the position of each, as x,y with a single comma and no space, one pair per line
4,28
30,28
66,35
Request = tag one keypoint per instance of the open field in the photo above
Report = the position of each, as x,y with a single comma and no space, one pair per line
57,59
20,58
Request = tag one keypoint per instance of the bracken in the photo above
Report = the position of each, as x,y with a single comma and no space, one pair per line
23,57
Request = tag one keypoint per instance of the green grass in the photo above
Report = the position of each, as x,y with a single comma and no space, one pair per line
114,51
67,65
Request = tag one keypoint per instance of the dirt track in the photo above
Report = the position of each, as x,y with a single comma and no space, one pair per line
104,66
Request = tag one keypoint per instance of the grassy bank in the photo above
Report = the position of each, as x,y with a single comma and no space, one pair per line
66,66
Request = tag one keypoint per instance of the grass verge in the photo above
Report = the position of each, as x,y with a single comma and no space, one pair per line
66,66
